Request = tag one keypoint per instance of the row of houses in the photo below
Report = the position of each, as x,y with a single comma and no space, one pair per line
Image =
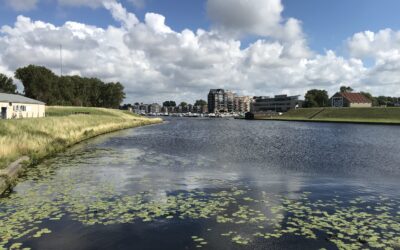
156,108
283,103
220,101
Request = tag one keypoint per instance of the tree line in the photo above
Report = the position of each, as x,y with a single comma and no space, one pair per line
200,103
319,98
42,84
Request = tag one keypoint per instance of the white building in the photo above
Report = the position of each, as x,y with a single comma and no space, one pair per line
242,104
17,106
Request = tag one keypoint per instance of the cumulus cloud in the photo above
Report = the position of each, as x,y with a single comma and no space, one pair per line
22,5
257,17
119,13
383,47
157,63
383,44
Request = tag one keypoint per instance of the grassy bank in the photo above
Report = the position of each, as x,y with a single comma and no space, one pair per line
63,127
355,115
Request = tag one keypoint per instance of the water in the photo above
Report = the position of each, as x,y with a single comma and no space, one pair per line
214,184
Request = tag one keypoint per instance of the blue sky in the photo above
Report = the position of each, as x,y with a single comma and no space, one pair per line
326,23
253,47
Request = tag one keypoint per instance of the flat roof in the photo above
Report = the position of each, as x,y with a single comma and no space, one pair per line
18,99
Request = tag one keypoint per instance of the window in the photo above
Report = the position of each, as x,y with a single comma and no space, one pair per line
337,102
23,108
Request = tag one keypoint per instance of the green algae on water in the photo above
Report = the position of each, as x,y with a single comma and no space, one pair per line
359,223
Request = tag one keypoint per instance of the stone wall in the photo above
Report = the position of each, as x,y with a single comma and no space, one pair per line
11,173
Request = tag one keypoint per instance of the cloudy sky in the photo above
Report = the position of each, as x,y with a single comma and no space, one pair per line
179,49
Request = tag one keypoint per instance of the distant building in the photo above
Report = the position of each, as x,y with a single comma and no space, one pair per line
18,106
190,108
279,103
216,101
154,108
229,101
204,109
242,104
351,100
220,100
144,108
136,108
170,109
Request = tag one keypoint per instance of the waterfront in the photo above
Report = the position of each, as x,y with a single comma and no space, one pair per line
214,184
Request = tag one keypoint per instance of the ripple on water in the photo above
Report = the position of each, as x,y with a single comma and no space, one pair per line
224,183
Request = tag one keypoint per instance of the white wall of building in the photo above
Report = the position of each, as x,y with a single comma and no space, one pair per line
22,110
360,105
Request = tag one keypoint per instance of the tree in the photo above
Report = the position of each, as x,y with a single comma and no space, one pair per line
183,104
7,85
200,103
169,104
112,95
382,100
39,83
316,98
344,89
42,84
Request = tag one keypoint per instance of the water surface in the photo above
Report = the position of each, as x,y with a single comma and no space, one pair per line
214,184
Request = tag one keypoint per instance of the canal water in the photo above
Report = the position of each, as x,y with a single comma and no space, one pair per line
214,184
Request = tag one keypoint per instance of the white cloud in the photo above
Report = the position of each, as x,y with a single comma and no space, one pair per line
156,63
22,5
383,47
380,45
256,17
119,13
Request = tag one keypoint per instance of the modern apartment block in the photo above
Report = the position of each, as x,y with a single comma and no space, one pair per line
216,101
220,100
279,103
229,99
154,108
242,104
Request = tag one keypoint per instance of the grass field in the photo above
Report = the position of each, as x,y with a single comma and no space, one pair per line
62,127
360,115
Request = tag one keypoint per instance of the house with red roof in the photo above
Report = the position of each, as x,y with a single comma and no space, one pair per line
350,100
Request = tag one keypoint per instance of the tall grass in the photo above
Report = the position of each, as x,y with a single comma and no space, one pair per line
63,127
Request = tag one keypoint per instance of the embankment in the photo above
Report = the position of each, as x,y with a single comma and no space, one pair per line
36,139
390,116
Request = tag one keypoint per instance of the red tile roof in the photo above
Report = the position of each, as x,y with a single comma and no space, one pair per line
355,97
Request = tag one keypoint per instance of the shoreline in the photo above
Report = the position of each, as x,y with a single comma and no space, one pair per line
9,175
330,121
371,116
16,165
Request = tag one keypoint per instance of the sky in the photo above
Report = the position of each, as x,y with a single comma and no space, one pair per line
178,49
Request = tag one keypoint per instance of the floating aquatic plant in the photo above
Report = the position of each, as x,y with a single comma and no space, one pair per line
362,222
